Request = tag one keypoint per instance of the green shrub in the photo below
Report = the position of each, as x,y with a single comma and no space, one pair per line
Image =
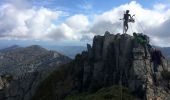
7,77
166,75
109,93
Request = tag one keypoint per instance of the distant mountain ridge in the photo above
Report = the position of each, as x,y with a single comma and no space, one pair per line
166,52
11,48
69,51
27,66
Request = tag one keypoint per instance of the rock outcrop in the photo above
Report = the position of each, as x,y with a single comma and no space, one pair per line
120,59
111,60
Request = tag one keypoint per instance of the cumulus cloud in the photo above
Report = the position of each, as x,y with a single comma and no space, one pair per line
60,32
27,23
71,29
148,18
21,4
153,22
78,22
40,23
159,6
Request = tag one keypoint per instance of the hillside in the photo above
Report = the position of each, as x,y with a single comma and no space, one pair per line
26,67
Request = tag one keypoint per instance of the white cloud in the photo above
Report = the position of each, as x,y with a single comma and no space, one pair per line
20,4
27,23
159,6
60,32
153,22
146,17
78,22
40,23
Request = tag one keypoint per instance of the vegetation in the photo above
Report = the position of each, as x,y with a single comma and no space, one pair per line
166,75
56,85
109,93
8,77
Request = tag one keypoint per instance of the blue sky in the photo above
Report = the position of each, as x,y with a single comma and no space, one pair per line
77,6
85,6
75,22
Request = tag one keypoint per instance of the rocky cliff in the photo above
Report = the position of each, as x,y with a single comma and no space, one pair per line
22,69
111,60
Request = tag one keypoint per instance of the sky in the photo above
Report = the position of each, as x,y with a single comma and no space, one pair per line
76,22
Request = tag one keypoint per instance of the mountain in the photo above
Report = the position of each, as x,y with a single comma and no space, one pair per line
11,48
72,51
113,68
166,51
69,51
23,68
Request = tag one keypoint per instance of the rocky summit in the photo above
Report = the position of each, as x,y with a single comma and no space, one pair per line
112,60
23,68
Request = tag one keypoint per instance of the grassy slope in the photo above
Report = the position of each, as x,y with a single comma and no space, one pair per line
109,93
56,84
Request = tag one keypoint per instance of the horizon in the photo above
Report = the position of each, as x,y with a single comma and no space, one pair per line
75,23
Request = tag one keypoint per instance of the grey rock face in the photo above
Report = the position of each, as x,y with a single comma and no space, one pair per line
115,59
1,84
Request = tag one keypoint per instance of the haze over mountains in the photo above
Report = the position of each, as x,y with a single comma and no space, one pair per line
166,51
69,51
